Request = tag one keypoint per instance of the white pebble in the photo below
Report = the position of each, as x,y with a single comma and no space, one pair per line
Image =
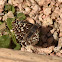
22,29
60,0
55,35
27,9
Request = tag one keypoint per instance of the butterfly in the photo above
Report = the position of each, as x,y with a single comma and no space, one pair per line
26,33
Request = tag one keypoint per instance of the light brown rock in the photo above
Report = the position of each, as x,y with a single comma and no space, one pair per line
60,34
47,11
8,15
1,10
61,15
27,9
59,54
61,51
57,49
55,35
52,54
40,2
28,3
0,18
23,49
52,31
2,2
29,48
47,50
14,2
30,20
56,25
54,15
47,21
60,42
57,10
61,9
59,0
40,17
60,27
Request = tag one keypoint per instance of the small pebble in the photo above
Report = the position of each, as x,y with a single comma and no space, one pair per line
47,11
57,49
30,20
59,54
55,35
60,42
8,15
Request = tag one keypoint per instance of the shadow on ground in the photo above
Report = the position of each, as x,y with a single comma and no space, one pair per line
46,38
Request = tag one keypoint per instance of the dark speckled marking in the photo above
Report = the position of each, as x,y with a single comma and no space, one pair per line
26,33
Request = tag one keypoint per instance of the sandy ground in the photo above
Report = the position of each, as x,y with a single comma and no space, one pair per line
48,14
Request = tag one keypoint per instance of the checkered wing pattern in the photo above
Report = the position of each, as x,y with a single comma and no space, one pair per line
26,33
